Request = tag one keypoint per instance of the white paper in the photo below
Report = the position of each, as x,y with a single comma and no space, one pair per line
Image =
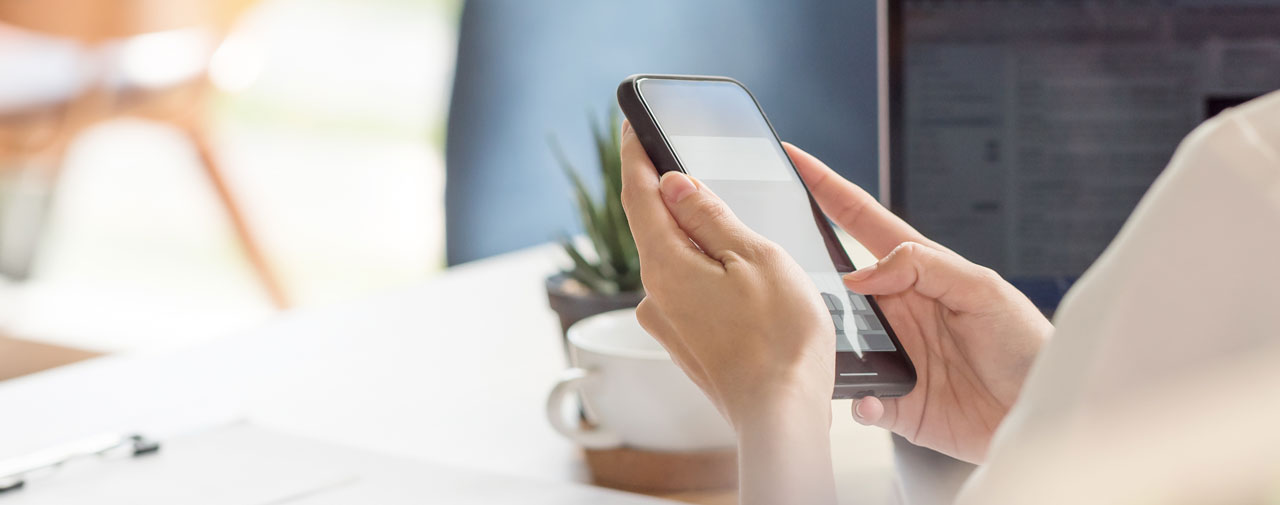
241,464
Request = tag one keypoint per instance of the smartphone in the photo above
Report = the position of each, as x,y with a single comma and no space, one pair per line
714,129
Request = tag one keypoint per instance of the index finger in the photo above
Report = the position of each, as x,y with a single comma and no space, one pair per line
851,207
652,226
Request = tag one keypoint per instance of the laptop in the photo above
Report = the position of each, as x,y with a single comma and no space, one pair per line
1023,134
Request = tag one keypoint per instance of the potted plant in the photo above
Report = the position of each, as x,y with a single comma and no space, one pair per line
607,276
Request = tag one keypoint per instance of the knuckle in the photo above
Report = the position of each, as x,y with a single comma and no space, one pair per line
915,256
906,250
645,311
989,275
991,280
647,314
707,212
651,280
766,251
628,197
851,211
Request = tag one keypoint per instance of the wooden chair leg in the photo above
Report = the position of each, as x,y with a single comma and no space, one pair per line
261,265
24,213
21,357
33,184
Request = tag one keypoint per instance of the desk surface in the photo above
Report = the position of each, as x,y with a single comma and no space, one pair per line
454,370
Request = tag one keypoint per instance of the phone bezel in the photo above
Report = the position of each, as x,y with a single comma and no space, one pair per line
895,373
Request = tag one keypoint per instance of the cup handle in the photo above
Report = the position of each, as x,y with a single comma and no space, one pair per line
592,436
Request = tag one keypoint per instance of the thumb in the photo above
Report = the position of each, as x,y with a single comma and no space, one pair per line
703,215
953,281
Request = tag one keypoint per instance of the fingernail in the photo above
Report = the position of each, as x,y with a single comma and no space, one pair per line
626,126
675,186
860,275
857,409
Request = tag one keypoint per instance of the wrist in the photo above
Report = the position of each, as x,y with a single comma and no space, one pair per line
784,451
800,392
784,408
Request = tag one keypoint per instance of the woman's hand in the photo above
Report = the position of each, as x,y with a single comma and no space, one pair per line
742,319
971,335
732,308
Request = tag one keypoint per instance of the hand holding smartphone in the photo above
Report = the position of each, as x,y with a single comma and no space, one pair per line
712,128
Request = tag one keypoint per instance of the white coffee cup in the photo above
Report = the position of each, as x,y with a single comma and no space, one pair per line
632,393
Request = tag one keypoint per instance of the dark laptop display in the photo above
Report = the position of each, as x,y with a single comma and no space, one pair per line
1023,133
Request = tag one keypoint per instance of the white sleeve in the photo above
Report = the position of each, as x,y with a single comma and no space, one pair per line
1163,377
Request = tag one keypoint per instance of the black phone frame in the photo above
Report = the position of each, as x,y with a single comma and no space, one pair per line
894,373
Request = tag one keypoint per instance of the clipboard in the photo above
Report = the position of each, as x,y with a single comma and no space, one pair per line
243,464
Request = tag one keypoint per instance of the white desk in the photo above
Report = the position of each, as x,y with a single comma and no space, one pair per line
455,371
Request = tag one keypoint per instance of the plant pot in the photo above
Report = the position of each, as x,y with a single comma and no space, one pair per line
573,302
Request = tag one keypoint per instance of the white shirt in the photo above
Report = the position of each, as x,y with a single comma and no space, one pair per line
1162,381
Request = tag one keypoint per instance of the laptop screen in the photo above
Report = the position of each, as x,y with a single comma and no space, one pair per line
1022,134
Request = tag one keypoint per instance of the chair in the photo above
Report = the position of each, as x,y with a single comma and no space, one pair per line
114,39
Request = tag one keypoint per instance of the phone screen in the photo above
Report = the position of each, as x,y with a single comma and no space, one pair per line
719,135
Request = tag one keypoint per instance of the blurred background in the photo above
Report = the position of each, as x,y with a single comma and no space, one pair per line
172,171
323,126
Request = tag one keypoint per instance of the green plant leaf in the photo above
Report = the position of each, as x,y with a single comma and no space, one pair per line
616,232
587,213
617,267
585,272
